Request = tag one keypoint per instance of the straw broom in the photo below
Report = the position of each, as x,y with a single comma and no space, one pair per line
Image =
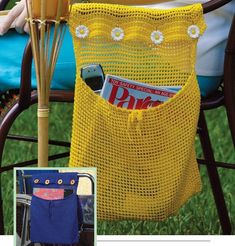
46,43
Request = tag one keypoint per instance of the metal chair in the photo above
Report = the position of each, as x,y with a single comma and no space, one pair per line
224,97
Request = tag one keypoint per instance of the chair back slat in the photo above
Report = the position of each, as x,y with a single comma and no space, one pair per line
229,79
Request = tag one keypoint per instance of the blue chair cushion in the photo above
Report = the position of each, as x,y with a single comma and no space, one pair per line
208,84
11,51
12,47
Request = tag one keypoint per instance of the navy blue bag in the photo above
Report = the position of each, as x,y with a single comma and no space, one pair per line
56,221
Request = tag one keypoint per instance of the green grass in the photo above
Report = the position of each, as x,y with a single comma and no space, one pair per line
11,4
198,216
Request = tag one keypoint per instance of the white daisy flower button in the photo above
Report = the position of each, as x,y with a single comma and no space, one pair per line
117,34
81,31
193,31
157,37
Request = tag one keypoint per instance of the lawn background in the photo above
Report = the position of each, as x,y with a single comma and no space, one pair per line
198,216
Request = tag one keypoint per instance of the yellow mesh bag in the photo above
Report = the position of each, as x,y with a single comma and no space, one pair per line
145,158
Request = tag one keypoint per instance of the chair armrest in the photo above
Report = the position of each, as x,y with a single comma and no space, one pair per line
25,81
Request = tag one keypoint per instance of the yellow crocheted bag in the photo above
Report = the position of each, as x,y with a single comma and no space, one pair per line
145,158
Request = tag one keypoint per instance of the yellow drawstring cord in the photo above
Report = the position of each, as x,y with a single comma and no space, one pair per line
134,115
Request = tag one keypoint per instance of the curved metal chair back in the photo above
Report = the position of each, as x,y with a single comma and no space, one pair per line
229,79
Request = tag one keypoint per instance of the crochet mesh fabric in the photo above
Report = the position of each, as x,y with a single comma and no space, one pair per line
145,158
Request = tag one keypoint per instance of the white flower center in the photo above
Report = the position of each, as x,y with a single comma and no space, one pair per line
82,31
117,34
157,37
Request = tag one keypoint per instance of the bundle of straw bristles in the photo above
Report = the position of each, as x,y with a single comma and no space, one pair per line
47,33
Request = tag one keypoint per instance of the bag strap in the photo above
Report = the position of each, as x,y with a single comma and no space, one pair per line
56,180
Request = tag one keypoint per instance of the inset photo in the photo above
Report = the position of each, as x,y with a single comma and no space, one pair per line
55,206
